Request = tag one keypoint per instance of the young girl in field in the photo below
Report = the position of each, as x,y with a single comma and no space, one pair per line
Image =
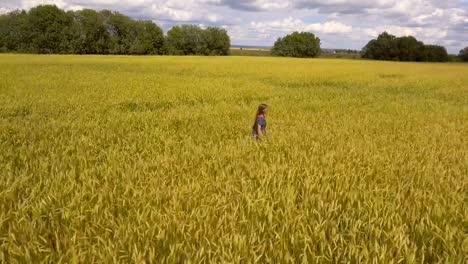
259,127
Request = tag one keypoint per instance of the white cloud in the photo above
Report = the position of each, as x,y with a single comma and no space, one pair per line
164,12
331,27
4,10
344,6
32,3
251,5
289,25
424,34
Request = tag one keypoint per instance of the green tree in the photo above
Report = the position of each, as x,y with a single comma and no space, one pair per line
436,53
385,47
121,31
463,54
410,49
49,29
217,41
303,45
186,40
174,44
149,38
89,33
14,32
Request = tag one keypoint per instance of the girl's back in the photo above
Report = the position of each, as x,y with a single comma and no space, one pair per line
259,127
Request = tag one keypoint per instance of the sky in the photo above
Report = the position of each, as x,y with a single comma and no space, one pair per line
348,24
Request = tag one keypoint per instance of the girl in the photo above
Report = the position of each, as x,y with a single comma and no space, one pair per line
259,126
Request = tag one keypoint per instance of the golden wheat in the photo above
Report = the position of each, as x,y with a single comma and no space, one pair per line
107,159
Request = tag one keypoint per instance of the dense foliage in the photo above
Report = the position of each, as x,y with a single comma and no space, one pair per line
302,45
407,48
345,51
48,29
464,54
193,40
107,159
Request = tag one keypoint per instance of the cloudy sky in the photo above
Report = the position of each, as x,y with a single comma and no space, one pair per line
338,23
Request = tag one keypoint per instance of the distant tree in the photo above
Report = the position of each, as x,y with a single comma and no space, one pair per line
454,58
347,51
149,38
385,47
49,29
121,32
111,32
463,54
410,49
89,33
174,44
3,33
436,53
186,40
217,41
303,45
14,32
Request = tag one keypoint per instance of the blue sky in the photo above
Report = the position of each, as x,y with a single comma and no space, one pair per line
338,23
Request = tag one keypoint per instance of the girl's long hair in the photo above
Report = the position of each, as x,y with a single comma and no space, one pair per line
260,111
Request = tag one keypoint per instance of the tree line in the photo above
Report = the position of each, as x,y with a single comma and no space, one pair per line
463,55
407,48
385,47
47,29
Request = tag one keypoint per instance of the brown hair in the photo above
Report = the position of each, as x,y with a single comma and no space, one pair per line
260,111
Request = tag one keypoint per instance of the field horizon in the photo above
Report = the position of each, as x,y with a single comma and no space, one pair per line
148,159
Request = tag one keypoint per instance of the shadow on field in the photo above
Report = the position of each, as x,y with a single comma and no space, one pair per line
391,76
144,106
164,105
19,112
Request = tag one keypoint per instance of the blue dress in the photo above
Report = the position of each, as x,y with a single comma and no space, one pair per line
259,121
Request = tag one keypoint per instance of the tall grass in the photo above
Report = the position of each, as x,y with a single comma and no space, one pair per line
148,159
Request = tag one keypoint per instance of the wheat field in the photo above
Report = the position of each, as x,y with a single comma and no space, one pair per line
108,159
